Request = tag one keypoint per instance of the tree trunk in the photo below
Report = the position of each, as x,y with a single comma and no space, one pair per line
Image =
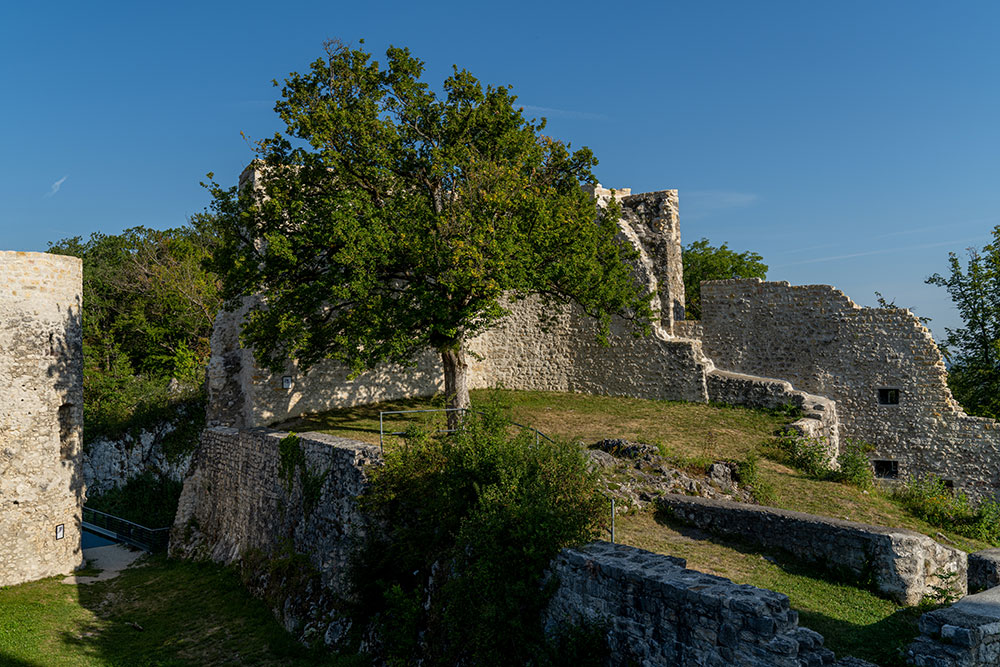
456,382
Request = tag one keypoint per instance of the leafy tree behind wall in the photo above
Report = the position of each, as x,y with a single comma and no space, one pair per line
387,220
974,349
148,308
702,261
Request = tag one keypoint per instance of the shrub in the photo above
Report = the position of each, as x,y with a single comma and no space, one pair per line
466,527
929,498
748,471
148,500
854,467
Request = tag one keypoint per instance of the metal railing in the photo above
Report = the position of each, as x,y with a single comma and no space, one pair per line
382,433
122,530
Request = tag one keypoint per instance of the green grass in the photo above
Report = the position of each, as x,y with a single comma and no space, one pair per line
687,430
852,620
189,614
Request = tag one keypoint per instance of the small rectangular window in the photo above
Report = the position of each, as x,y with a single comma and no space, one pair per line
888,396
886,469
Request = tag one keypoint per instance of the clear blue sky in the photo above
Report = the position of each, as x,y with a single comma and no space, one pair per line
853,143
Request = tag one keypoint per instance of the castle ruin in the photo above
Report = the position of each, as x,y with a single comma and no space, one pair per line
41,415
862,373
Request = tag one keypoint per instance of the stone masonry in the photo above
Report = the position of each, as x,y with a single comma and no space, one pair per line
881,367
658,613
901,564
41,415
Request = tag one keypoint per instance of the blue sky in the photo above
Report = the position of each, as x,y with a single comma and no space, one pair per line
851,143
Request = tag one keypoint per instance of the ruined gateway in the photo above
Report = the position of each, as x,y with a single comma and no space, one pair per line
864,373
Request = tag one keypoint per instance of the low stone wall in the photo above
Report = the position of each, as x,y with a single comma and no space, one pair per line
984,569
658,613
966,634
244,502
901,564
819,419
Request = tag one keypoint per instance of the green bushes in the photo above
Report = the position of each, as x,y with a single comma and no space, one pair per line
467,525
812,456
931,499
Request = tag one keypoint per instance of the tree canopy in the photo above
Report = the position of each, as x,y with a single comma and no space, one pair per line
386,220
974,349
148,309
702,261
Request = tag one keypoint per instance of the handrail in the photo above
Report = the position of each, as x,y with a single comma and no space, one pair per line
381,428
123,530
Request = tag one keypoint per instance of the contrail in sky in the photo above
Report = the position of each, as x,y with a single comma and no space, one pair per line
56,186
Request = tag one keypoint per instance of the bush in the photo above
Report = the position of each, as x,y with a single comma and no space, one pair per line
854,467
811,456
748,471
929,498
467,526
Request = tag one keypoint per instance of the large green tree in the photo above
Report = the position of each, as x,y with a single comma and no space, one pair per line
386,220
703,261
974,349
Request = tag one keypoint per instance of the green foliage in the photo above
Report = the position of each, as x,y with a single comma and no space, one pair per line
974,350
812,456
387,220
474,519
929,498
148,500
291,457
748,471
148,308
702,262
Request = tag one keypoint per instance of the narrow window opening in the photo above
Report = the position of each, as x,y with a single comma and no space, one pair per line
886,469
888,396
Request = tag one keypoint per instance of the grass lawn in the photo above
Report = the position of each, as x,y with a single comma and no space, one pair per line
158,612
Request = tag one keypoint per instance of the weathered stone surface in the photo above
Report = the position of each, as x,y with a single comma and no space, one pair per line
984,569
109,464
966,634
41,415
658,613
899,563
238,507
822,342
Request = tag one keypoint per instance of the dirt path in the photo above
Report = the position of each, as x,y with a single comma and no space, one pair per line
110,560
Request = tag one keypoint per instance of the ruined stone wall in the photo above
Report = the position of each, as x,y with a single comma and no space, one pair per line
522,353
41,415
822,342
248,501
658,613
901,564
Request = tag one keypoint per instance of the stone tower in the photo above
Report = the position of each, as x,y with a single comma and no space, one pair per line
41,415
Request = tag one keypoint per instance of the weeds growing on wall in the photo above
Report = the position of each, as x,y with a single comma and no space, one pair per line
929,498
468,523
148,500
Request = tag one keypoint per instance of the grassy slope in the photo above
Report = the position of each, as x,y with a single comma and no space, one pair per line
190,614
854,621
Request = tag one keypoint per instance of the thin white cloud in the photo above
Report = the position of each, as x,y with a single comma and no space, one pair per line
549,112
883,251
697,204
56,186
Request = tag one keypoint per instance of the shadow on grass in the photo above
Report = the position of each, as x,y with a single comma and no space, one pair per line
357,419
171,612
881,641
8,660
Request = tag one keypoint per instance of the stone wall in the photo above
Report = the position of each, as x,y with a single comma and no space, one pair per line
563,354
966,634
658,613
899,563
244,501
822,342
41,415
